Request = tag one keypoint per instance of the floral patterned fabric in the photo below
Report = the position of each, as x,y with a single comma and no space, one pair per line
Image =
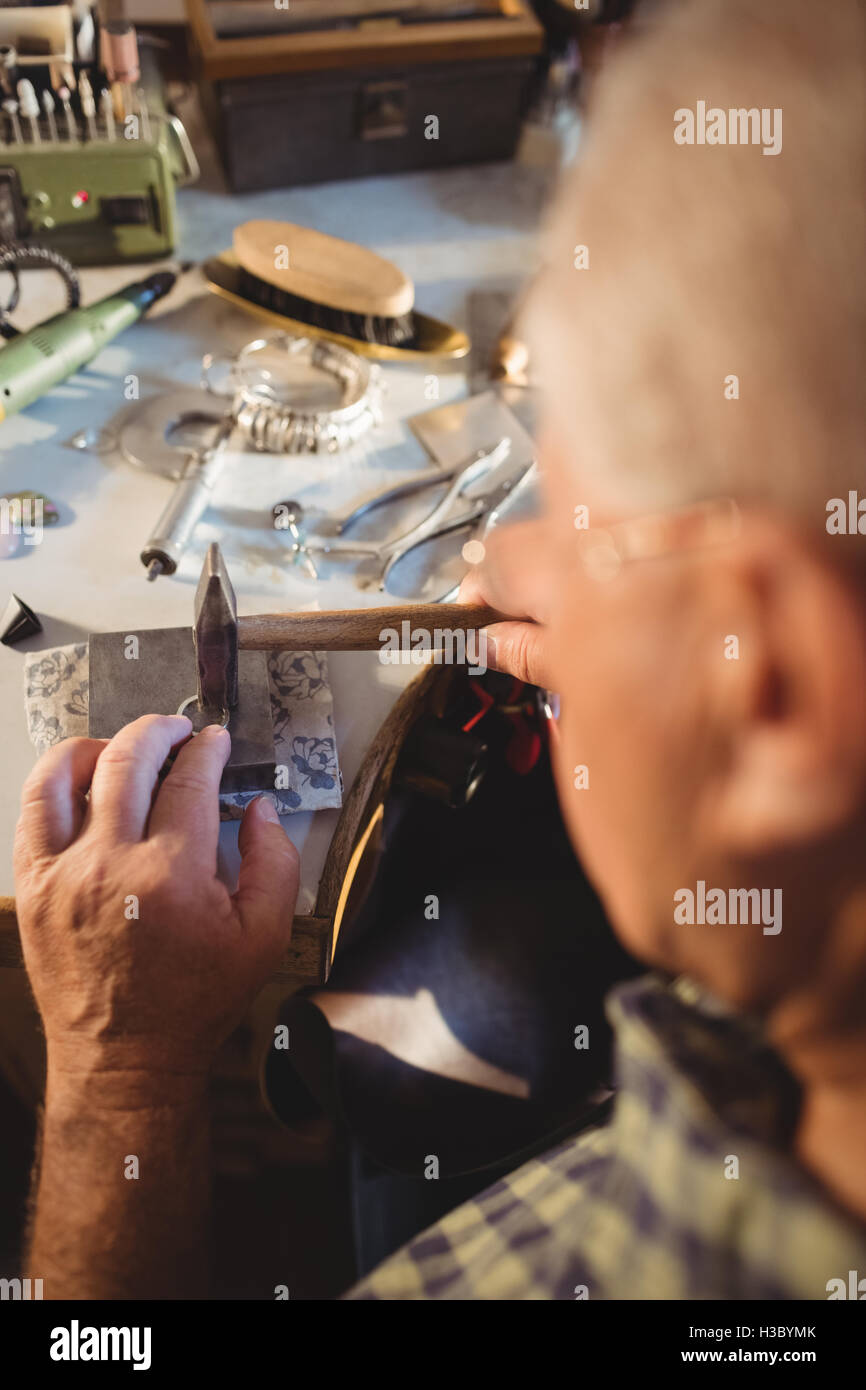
308,774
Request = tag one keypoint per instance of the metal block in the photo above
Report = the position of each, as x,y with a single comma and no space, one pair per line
156,672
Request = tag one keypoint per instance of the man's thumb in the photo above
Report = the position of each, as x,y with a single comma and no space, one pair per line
521,650
270,870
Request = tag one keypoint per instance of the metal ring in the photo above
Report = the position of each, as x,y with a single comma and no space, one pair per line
208,362
223,720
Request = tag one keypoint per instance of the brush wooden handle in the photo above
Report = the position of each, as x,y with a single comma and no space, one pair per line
357,629
339,274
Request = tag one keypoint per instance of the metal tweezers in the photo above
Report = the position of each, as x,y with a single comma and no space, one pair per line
439,522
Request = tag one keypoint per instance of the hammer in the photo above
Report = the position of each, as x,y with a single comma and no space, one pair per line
217,670
220,634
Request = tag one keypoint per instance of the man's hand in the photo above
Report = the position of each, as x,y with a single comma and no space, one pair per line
141,963
514,577
140,960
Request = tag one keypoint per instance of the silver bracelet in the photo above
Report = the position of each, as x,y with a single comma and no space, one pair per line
275,427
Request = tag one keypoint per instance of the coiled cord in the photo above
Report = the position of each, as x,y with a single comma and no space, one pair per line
17,256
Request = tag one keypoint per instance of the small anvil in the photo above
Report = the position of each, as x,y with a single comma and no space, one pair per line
217,672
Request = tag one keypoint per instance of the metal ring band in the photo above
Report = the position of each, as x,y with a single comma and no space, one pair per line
223,721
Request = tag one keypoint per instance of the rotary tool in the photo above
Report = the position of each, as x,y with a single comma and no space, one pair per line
34,362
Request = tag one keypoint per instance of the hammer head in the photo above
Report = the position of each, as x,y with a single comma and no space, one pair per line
215,630
159,680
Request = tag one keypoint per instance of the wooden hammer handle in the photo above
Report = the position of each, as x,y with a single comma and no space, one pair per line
358,629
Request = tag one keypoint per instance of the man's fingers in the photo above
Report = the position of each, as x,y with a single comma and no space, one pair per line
268,880
54,799
514,575
521,650
127,770
186,810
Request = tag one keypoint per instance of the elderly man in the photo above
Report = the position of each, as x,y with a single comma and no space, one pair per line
696,592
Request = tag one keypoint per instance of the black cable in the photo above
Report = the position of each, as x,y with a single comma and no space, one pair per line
17,256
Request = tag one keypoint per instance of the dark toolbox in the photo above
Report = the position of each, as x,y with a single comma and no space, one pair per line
310,106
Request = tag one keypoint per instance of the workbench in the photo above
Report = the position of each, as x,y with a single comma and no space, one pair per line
453,232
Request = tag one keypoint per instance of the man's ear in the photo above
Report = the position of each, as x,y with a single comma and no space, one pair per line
791,693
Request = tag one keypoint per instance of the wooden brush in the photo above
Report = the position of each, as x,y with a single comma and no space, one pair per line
332,285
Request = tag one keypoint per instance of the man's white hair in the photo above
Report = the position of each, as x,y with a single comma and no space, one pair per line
708,262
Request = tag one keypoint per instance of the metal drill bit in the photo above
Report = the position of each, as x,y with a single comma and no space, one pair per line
48,106
107,107
29,107
88,105
10,106
216,635
71,127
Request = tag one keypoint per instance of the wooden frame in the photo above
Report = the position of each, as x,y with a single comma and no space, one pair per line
515,33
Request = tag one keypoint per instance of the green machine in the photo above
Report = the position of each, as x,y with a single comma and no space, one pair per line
90,156
98,201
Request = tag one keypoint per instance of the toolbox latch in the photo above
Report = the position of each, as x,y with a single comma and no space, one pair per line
384,113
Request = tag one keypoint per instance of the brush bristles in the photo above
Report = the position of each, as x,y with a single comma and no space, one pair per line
367,328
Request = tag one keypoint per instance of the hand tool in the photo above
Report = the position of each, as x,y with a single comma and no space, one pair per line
29,107
474,488
196,670
36,361
197,477
147,441
506,408
341,630
216,671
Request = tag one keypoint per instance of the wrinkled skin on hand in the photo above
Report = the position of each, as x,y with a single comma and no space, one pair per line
140,959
